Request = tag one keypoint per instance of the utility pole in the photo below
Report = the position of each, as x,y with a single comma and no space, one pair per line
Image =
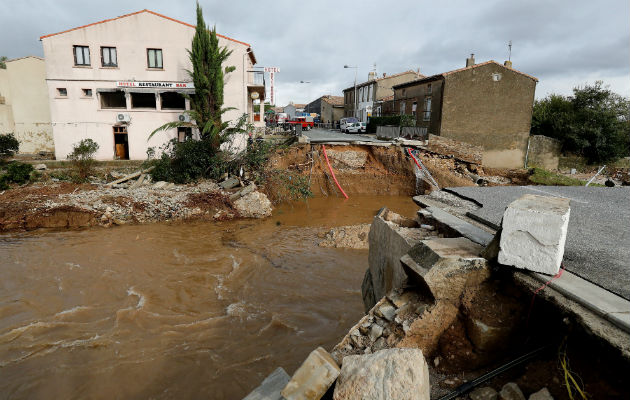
356,68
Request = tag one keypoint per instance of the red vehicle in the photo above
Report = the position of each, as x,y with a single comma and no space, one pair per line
306,122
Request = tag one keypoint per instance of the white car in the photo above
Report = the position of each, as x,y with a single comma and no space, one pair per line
344,123
357,127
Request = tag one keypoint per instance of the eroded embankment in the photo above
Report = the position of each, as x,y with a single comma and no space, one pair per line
387,169
67,205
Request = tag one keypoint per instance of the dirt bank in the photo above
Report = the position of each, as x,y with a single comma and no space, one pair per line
385,170
68,205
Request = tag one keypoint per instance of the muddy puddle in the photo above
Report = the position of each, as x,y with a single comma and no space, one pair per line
203,310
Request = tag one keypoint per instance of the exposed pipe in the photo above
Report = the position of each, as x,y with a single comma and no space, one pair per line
595,176
466,387
332,173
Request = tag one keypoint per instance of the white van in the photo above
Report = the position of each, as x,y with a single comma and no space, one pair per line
344,123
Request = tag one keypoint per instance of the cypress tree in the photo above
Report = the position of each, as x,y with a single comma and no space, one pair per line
206,105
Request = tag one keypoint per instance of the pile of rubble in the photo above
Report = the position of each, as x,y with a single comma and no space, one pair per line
348,237
130,201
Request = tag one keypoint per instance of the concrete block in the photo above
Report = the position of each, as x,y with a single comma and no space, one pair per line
386,374
270,388
229,183
534,233
446,266
311,381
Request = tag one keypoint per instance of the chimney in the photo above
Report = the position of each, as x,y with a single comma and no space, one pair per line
371,75
508,64
470,61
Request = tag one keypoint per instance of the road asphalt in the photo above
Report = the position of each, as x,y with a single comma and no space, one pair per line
318,135
598,238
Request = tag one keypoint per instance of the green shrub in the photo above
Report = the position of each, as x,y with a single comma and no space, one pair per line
19,173
82,158
9,145
188,161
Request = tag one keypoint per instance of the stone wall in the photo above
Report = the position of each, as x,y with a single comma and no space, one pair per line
543,152
460,150
490,106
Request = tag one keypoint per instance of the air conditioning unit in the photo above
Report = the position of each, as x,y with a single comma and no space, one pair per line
184,118
123,117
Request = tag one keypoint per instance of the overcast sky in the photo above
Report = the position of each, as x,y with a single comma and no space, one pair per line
562,43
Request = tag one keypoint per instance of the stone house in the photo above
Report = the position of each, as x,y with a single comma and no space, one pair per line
371,92
24,109
488,105
117,80
330,108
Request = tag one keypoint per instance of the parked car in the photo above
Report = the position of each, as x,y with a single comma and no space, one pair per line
357,127
345,122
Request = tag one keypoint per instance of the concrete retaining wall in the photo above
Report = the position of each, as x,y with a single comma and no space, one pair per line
544,152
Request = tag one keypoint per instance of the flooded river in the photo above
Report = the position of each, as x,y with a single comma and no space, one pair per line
203,310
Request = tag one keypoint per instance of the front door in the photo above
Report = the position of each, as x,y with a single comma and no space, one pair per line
121,143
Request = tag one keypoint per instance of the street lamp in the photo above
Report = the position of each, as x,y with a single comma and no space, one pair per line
308,94
356,68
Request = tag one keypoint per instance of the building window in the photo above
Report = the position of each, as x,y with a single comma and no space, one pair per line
87,92
154,58
81,55
113,99
427,109
402,108
62,92
108,57
429,89
143,100
414,107
172,101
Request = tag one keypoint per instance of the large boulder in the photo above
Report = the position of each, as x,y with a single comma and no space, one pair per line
253,205
389,374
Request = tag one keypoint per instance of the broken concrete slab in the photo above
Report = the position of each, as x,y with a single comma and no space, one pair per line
458,225
40,167
391,236
229,183
446,266
246,190
313,378
379,376
534,231
160,185
271,387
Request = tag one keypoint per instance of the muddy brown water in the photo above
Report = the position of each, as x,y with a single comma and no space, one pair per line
203,310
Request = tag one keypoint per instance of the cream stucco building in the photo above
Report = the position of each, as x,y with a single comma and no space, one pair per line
117,80
24,109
